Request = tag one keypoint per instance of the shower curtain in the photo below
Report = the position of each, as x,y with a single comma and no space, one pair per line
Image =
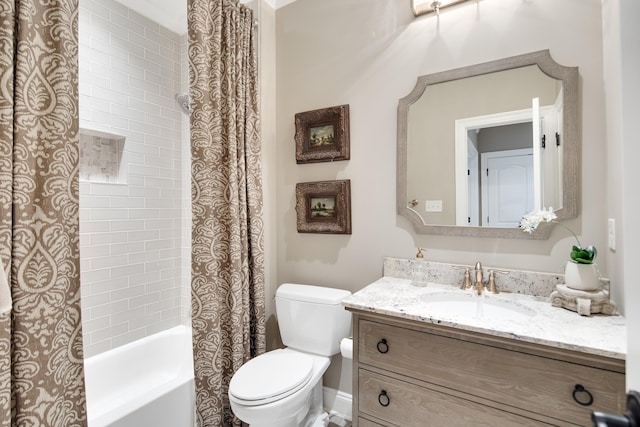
227,290
41,363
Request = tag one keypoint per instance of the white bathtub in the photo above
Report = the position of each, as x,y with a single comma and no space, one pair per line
148,382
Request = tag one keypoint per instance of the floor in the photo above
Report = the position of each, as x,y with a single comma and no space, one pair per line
335,421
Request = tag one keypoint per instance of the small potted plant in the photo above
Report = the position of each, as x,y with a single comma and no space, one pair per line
580,271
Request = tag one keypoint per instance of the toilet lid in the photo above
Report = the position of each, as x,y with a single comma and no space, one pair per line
270,377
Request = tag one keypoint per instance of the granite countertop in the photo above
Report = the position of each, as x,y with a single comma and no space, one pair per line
556,327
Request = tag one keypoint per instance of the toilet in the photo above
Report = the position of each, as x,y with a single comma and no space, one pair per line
283,388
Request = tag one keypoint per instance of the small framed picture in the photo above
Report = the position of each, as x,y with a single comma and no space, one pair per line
322,135
324,207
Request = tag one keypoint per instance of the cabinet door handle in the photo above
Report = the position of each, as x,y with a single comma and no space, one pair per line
382,346
586,398
383,398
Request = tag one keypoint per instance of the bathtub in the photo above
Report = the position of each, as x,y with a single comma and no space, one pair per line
148,382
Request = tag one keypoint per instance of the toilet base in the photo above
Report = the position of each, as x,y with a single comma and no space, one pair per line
321,421
315,416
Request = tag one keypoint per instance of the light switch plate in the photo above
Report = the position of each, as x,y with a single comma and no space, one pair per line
433,206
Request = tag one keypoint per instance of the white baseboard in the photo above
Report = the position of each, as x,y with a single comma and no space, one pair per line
337,402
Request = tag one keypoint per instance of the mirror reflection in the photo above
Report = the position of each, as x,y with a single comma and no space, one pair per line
475,136
480,146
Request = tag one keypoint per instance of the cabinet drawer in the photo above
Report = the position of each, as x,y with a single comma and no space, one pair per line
363,422
409,405
508,377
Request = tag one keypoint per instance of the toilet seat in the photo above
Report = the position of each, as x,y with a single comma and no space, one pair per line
270,377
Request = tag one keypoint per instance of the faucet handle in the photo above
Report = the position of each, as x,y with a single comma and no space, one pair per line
491,282
466,281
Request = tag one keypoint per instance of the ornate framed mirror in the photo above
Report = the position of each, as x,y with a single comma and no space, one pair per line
480,146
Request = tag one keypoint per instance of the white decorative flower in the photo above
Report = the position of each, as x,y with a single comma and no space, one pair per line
531,220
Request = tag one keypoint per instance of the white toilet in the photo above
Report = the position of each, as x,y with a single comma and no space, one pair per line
283,388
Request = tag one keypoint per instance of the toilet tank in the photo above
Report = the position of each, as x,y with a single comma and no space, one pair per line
312,318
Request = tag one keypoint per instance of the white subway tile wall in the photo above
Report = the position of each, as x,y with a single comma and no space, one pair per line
186,193
134,237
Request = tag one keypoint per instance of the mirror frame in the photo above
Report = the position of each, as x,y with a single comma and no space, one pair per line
570,140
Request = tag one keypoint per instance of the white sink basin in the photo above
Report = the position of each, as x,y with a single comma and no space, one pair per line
471,305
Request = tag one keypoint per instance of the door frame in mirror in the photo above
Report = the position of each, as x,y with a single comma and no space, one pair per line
570,141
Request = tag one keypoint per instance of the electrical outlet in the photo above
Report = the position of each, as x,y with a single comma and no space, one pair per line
433,206
612,233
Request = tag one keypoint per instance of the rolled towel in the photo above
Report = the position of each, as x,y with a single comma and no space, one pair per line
583,306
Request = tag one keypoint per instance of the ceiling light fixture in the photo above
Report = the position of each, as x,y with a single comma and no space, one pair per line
423,7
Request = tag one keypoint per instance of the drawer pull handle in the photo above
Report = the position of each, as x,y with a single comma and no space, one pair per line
586,400
383,398
382,346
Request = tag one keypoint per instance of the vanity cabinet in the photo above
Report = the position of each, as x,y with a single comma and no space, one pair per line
410,373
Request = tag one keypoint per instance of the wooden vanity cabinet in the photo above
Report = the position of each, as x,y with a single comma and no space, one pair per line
408,373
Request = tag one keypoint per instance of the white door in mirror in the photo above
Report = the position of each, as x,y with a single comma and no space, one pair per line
507,187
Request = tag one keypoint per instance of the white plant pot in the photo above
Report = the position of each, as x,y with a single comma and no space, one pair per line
583,277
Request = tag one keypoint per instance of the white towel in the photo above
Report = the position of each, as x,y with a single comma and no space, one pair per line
5,292
583,306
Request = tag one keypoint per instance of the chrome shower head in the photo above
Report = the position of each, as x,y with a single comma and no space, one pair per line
183,102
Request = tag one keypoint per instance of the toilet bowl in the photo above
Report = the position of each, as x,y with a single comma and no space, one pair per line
280,385
283,388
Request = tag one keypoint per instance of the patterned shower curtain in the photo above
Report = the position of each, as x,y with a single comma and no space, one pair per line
227,291
41,363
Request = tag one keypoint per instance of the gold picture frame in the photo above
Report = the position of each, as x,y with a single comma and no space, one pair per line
324,207
322,135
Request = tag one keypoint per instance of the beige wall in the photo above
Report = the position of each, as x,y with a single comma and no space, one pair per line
631,205
631,176
622,66
266,16
368,53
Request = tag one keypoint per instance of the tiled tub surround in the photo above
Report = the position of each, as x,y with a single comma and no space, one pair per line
398,294
134,234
